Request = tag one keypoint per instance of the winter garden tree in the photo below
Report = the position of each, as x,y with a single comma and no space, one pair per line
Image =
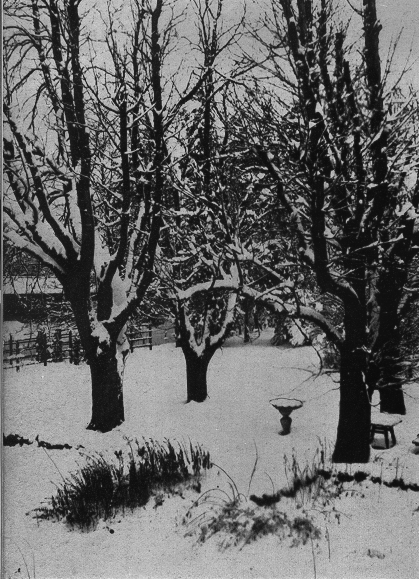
89,104
219,210
192,252
218,239
224,226
344,168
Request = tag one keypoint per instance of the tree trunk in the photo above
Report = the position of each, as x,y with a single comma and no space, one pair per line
196,375
392,400
353,434
107,396
391,393
388,372
106,369
387,347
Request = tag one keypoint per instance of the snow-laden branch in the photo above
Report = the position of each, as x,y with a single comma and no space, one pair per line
26,226
268,298
133,243
35,250
208,340
228,283
277,304
305,250
228,320
37,188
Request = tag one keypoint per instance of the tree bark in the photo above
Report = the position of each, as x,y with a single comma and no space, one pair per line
107,395
196,375
391,392
387,348
105,368
198,353
353,434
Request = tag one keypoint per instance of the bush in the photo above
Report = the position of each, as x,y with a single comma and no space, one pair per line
331,358
288,331
103,488
239,523
15,439
292,514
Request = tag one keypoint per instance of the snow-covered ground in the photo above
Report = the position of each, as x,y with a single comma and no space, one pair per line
374,535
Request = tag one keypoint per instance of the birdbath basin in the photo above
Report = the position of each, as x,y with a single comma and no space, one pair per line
285,407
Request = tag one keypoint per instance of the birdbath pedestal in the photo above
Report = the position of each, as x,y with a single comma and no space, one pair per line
285,407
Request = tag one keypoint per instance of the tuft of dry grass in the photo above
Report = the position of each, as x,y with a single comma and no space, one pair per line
103,488
238,521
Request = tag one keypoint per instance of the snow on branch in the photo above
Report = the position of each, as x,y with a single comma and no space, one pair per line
33,249
228,320
229,282
277,304
36,186
306,251
27,227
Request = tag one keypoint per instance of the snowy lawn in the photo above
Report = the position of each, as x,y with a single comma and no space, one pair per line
370,532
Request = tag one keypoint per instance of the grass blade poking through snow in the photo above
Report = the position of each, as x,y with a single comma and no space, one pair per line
102,487
237,521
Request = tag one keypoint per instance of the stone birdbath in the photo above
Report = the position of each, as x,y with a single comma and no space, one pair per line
286,406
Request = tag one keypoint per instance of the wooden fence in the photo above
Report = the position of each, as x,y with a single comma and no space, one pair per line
62,344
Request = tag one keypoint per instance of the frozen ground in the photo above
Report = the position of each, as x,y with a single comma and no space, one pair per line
376,536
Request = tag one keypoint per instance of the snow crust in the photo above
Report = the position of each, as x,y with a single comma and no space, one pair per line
378,533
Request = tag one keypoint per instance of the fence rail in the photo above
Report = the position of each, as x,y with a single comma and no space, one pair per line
62,344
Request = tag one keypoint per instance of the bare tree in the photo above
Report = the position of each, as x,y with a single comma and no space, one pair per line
193,252
88,113
344,164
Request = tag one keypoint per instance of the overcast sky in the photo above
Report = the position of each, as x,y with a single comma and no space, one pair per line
402,14
394,15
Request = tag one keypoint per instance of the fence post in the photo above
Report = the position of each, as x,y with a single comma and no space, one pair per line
150,337
44,348
17,355
38,346
70,346
11,350
57,346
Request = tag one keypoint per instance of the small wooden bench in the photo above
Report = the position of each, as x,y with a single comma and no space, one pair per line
384,423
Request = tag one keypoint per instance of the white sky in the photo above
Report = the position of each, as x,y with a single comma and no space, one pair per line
395,16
